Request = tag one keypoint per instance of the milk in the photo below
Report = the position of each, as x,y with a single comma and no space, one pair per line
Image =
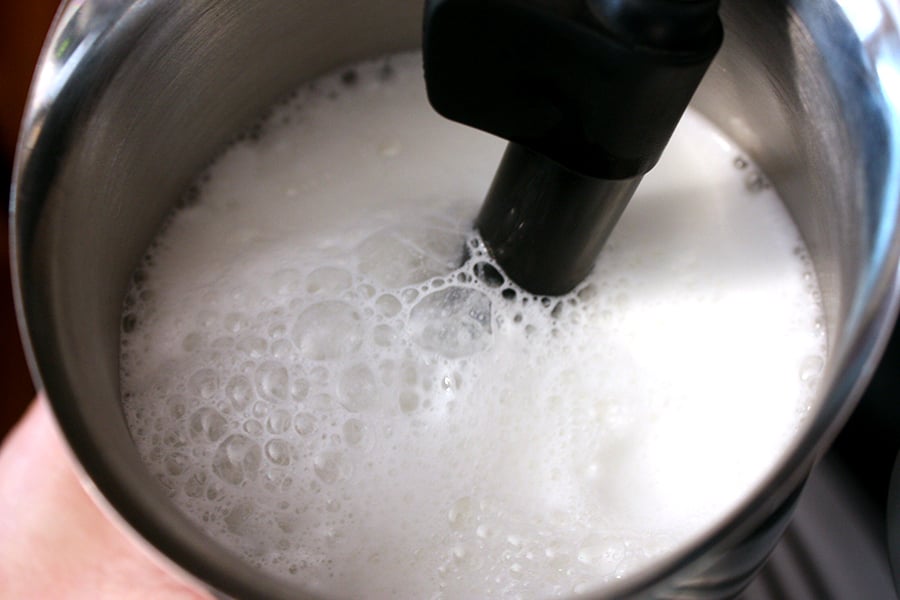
329,385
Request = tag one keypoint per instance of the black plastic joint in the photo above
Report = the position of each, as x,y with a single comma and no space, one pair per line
596,86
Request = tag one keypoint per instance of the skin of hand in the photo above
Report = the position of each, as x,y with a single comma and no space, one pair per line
54,541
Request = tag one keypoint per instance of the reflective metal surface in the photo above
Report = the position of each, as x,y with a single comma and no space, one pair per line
132,98
893,523
832,547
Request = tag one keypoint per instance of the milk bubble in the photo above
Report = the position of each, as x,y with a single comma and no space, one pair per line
388,305
272,382
402,256
238,519
237,459
278,452
207,425
240,392
253,428
314,331
278,421
281,349
357,388
204,383
354,431
195,485
461,515
305,423
176,406
298,389
453,322
330,375
253,346
177,463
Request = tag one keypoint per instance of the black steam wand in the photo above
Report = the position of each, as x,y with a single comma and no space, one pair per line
588,92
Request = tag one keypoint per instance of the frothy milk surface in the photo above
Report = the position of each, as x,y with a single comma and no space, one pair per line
321,386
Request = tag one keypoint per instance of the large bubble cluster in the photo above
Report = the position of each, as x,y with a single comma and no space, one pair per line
263,407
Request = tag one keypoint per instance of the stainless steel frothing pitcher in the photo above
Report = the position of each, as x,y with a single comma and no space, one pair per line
132,98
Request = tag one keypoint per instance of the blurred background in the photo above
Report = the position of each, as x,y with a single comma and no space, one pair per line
865,451
23,25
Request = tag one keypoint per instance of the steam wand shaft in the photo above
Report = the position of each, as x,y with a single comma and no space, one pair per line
587,91
545,224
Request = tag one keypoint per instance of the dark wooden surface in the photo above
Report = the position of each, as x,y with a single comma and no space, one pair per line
23,25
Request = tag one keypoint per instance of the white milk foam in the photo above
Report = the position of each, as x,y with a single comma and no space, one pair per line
319,385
